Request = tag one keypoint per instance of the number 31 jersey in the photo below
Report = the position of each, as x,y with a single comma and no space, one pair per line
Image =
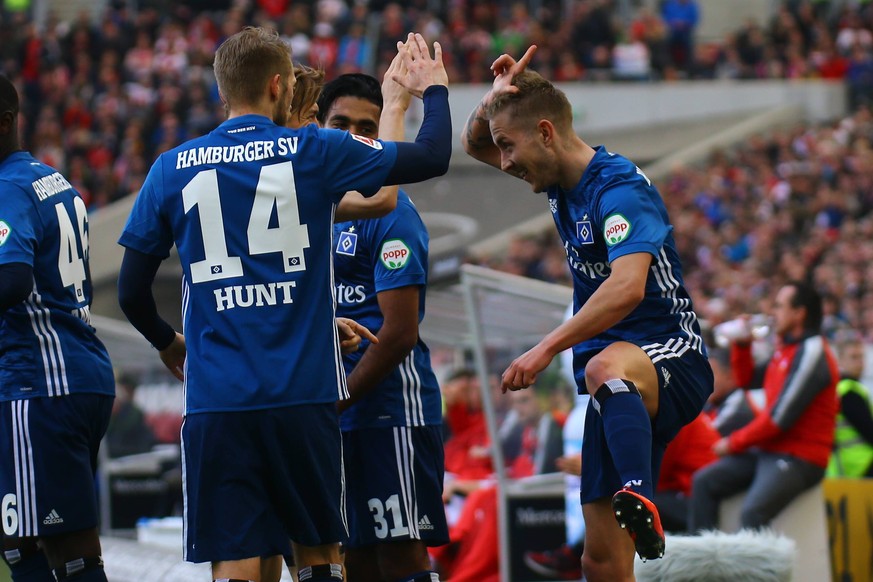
47,345
250,208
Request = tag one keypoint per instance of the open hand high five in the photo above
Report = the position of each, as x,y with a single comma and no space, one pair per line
422,70
393,93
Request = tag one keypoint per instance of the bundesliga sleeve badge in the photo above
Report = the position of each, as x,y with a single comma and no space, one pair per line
376,145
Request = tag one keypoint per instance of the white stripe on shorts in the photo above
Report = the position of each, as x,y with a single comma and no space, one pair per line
405,455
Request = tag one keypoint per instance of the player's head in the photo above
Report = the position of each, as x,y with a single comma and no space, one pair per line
529,127
304,103
352,102
850,353
527,406
253,69
797,310
535,99
8,117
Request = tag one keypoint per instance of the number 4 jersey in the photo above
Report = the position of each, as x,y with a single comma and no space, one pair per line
47,345
250,209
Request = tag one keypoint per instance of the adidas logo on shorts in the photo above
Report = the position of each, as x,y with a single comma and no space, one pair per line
52,518
424,523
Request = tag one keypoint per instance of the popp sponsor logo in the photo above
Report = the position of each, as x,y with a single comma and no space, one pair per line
616,229
394,254
5,231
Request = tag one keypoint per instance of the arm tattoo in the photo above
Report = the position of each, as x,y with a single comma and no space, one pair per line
477,117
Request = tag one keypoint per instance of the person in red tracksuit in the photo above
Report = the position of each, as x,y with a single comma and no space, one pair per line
784,450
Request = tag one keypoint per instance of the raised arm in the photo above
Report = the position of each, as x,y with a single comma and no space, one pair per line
424,76
391,127
476,136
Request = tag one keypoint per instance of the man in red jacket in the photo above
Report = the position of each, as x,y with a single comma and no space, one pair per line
785,449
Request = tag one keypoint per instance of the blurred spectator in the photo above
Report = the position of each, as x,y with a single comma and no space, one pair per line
682,17
128,433
467,443
859,76
534,442
631,60
472,555
651,29
89,80
354,48
853,444
104,97
785,449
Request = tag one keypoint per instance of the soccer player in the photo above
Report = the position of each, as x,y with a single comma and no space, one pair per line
391,425
635,338
56,382
304,101
250,210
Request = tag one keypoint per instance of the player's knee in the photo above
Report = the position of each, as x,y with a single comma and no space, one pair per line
599,369
81,570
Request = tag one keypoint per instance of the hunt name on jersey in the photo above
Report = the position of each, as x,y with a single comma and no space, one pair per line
257,295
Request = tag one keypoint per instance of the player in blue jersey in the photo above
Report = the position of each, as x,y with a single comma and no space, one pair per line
392,443
250,209
635,338
56,382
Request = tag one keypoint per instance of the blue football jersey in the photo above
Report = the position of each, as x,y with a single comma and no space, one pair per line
614,211
47,344
250,208
378,255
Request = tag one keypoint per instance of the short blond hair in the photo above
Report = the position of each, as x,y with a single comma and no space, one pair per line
535,99
246,61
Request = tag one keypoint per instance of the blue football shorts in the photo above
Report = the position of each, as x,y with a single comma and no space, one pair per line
395,485
48,455
255,480
684,383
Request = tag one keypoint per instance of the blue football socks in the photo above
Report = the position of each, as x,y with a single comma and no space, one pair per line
628,431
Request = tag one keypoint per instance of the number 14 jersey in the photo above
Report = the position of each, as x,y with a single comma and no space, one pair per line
250,208
47,345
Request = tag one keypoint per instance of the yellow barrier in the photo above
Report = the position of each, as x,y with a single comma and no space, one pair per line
849,504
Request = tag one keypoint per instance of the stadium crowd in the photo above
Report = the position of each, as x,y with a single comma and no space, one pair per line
104,97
